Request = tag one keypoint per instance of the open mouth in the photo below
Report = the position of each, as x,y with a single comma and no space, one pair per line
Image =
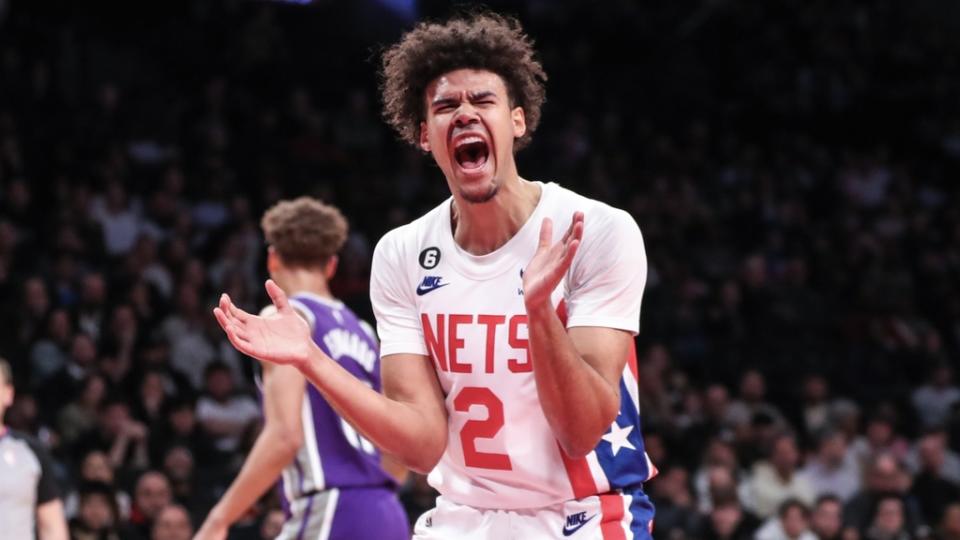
471,152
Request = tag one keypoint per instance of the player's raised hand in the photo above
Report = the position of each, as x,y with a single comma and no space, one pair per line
282,337
550,262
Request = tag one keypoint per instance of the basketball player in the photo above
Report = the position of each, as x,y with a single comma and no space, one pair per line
506,314
332,483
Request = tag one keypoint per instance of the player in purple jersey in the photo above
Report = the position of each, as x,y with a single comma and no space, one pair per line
332,483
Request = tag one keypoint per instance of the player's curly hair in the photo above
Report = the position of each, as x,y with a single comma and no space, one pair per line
479,41
304,231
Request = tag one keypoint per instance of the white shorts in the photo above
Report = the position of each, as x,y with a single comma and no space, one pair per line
611,516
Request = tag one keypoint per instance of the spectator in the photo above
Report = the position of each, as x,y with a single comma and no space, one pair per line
224,414
845,418
755,439
717,408
881,437
949,528
826,522
193,343
150,496
931,487
720,471
144,265
728,520
172,523
792,522
116,433
153,358
35,305
815,407
97,517
92,309
933,401
152,396
118,217
80,415
655,399
191,488
122,337
752,401
65,384
677,514
775,480
180,428
655,446
884,477
50,353
95,470
833,470
888,521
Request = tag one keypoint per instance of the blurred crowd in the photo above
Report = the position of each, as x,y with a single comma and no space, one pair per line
789,164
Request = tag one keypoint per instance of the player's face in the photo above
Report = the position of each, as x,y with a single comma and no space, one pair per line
470,127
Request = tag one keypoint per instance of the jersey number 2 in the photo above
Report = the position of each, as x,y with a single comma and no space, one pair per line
481,429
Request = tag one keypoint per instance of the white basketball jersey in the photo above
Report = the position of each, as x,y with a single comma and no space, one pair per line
466,313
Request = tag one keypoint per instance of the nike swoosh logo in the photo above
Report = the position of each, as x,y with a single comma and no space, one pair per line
567,531
421,290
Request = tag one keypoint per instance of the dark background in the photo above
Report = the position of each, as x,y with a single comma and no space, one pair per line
793,166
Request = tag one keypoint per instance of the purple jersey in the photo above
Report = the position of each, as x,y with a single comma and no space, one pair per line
334,454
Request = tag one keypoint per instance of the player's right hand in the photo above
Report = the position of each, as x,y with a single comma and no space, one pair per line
282,337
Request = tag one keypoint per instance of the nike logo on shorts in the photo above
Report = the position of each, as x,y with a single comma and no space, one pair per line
575,522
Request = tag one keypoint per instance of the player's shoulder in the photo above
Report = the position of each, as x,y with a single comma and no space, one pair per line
407,239
598,215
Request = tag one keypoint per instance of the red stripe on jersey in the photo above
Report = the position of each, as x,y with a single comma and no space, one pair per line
632,360
611,510
578,471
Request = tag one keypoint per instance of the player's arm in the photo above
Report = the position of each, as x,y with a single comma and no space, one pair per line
577,373
408,421
51,523
388,463
393,467
274,449
577,370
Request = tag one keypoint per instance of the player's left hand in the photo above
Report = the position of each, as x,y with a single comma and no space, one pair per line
282,337
550,262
